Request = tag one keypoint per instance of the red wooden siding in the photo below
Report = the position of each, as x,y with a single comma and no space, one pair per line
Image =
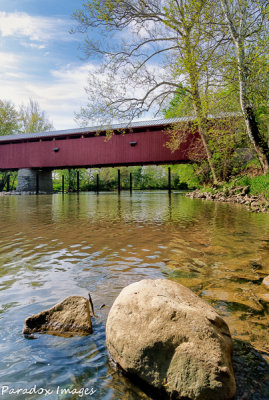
92,151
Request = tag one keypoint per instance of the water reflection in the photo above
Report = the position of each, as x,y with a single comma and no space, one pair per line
54,246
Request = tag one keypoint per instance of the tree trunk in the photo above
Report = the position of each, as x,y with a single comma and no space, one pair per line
203,127
258,141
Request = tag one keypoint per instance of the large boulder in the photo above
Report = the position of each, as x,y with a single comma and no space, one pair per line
165,335
71,316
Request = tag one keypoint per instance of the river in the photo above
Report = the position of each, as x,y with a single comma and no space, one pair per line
60,245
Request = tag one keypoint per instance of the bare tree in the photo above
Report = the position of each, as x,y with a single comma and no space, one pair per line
146,50
33,119
247,22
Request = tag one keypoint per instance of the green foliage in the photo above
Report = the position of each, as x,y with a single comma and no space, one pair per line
208,189
262,116
12,180
246,67
9,118
243,181
218,49
187,175
227,137
252,163
144,178
29,119
258,184
180,105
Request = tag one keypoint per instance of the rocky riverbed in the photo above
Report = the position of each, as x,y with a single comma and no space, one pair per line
234,195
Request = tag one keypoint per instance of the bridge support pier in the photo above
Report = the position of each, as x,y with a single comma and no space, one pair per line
8,183
62,184
169,180
97,183
131,183
34,181
77,181
119,186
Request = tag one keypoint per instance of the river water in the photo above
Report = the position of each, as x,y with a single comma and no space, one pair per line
55,246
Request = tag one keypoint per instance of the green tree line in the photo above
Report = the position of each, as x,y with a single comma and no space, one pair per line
26,119
143,178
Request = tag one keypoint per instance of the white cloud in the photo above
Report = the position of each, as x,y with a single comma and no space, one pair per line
34,45
38,29
60,91
61,96
8,61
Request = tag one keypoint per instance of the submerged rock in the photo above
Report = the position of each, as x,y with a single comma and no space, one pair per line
162,333
251,371
70,317
266,281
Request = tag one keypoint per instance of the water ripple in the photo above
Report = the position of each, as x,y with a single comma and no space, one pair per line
55,246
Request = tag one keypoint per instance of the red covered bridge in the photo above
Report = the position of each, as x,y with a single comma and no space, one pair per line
138,143
141,143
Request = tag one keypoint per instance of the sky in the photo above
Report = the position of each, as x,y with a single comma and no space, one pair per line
41,60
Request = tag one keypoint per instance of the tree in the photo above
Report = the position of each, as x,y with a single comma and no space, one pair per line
247,23
9,124
180,105
158,48
29,119
32,119
9,118
227,135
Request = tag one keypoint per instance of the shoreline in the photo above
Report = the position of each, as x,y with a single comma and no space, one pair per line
238,195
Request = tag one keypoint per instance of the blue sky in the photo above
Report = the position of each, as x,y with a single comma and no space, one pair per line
40,59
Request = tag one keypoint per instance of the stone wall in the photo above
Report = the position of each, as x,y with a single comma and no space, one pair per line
27,180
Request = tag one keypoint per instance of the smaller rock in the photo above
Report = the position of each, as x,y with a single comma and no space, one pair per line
70,317
199,262
264,301
264,298
255,265
266,281
255,204
245,190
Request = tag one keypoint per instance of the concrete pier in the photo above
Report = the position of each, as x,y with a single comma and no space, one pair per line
34,181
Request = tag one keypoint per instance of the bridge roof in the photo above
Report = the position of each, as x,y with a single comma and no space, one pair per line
93,129
103,128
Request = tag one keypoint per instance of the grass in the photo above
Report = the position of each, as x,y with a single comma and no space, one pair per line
258,184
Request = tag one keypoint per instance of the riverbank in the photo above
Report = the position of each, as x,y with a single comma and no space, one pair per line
250,190
240,195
